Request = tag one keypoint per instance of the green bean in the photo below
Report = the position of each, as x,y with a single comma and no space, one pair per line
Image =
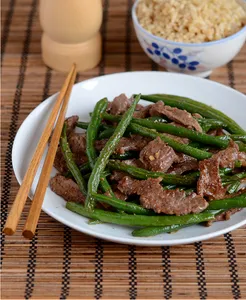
68,156
157,119
225,171
127,207
234,177
155,230
199,146
237,137
152,231
194,152
83,125
209,124
93,129
238,164
178,131
125,156
228,203
139,220
85,168
233,188
139,173
241,146
105,134
184,132
94,222
170,187
193,106
106,152
105,188
91,135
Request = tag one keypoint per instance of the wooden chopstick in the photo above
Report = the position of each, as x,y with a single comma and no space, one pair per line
20,200
34,213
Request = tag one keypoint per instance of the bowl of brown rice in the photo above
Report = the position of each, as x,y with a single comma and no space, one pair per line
190,36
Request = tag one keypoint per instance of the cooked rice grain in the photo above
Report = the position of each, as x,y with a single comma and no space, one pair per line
191,21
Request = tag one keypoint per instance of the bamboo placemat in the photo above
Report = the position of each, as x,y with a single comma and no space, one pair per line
62,263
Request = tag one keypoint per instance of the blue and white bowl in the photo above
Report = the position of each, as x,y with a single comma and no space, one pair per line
198,59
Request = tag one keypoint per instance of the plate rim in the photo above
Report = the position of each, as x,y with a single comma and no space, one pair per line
130,241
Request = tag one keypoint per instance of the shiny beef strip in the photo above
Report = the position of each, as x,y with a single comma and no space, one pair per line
175,114
117,193
228,156
132,143
157,156
133,162
77,142
141,112
184,164
117,175
153,196
179,139
66,188
119,105
216,132
209,183
59,162
71,124
197,116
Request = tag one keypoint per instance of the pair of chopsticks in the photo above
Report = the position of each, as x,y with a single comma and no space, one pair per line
20,200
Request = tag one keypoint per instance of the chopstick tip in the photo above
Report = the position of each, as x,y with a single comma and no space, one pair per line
8,231
28,234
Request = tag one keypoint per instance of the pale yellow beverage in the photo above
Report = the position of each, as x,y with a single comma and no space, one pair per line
71,33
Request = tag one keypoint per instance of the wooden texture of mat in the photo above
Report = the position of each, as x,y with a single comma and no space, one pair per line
62,263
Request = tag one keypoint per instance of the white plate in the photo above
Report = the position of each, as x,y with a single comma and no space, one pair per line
84,96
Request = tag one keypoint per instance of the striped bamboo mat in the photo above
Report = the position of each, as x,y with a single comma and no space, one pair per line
62,263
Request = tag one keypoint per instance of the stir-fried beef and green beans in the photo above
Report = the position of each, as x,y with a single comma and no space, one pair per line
161,167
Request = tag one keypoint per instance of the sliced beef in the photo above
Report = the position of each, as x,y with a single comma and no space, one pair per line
119,105
59,162
77,144
228,156
197,116
177,138
216,132
141,112
157,156
212,132
66,188
185,163
99,144
153,196
132,143
118,193
175,114
242,158
209,182
71,124
133,162
225,216
117,175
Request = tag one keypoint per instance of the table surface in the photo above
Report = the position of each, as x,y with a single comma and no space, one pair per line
62,263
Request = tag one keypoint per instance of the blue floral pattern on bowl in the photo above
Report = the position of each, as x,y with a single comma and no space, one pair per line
173,58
